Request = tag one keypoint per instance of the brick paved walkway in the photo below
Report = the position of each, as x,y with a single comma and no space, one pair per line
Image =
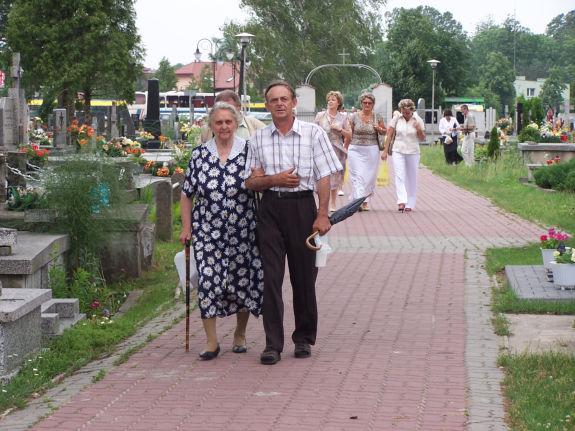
404,338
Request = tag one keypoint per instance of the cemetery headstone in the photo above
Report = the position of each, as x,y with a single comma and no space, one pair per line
101,126
17,161
114,133
152,122
60,128
21,113
3,188
8,129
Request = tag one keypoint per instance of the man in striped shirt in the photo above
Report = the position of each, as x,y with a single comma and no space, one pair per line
287,161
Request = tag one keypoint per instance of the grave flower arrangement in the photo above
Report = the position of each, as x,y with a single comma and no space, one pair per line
190,132
568,256
80,134
553,238
36,155
161,169
505,125
23,198
144,135
40,137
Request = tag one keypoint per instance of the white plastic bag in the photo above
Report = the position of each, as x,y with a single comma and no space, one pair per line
321,254
180,261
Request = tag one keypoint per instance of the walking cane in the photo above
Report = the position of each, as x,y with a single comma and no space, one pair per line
187,253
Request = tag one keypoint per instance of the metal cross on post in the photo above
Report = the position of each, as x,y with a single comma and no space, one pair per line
343,54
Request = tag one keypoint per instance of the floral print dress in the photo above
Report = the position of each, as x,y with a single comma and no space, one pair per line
224,232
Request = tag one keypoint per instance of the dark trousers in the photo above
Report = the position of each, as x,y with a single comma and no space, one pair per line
283,226
450,151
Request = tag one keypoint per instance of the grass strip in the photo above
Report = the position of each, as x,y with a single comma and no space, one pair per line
541,391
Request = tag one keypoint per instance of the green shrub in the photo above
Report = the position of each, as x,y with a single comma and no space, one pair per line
560,176
493,146
83,192
529,134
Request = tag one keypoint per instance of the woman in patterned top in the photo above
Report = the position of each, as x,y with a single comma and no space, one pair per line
363,152
218,216
335,124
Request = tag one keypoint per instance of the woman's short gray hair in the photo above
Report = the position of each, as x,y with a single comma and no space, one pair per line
406,104
225,106
366,95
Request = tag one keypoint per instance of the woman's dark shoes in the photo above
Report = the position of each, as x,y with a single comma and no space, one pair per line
206,355
239,349
401,207
270,357
407,210
302,350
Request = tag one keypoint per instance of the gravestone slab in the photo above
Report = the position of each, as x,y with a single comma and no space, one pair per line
16,160
530,282
32,257
3,189
20,327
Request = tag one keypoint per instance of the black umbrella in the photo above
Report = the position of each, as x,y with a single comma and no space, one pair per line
337,216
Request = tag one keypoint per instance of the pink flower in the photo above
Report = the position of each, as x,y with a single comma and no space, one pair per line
543,237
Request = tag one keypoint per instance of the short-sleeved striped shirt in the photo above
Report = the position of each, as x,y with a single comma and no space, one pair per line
305,147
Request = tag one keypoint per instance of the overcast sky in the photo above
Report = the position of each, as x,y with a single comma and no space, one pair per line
172,28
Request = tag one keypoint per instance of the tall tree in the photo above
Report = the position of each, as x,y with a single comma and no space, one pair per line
406,53
561,30
552,89
497,77
292,37
166,74
69,46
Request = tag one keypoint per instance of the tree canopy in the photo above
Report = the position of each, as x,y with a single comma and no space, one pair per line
166,75
406,52
71,46
294,36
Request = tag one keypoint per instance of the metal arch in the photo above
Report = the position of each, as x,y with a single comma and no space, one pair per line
360,66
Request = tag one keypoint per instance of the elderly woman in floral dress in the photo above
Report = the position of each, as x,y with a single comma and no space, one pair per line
336,125
218,216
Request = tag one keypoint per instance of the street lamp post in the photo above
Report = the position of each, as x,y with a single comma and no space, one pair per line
198,56
433,64
230,56
245,39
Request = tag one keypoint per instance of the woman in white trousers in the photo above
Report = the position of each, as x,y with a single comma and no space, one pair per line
408,130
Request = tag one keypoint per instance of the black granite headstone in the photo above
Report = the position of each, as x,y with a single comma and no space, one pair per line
152,121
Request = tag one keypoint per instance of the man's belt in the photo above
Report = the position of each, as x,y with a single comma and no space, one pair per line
289,195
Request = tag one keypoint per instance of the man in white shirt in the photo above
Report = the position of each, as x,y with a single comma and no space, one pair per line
289,159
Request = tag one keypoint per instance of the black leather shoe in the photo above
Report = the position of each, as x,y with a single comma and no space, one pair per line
206,355
302,350
239,349
270,357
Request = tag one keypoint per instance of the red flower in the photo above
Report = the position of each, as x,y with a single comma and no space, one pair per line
95,304
543,237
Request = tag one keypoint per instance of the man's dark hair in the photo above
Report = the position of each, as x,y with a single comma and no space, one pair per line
277,82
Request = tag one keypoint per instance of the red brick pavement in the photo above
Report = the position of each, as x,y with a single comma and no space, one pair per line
390,353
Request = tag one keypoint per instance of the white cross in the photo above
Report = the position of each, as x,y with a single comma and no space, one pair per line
343,54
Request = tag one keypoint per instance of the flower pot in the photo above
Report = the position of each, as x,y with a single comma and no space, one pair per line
563,274
547,256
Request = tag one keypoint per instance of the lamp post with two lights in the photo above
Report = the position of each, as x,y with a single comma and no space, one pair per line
433,64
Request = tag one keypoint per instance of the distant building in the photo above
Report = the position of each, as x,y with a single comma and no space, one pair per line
530,89
227,75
